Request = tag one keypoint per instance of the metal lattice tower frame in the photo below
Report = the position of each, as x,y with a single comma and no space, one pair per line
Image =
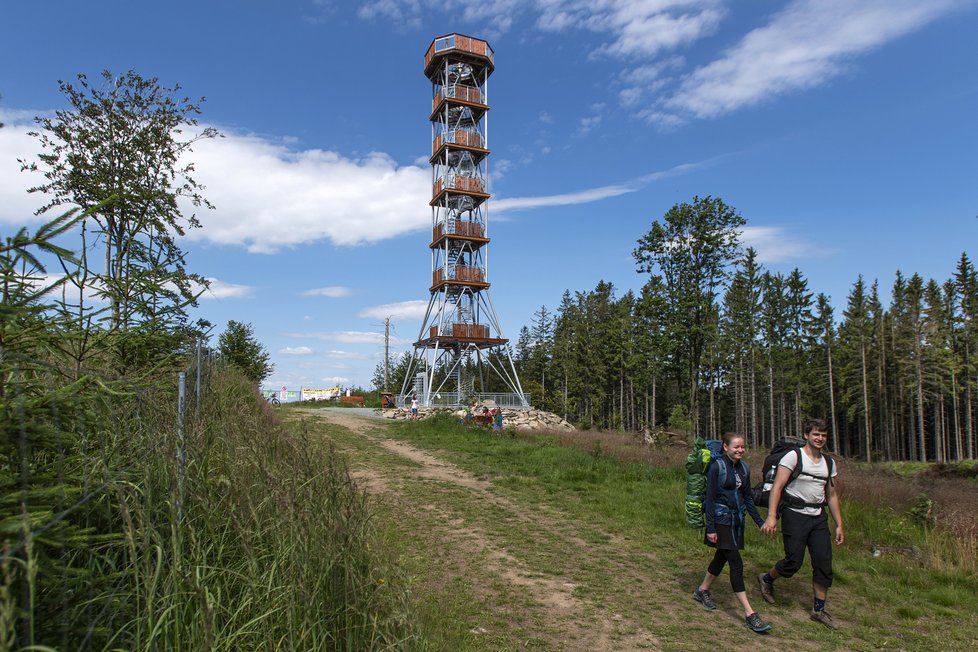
461,341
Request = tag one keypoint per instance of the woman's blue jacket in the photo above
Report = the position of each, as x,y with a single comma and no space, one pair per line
726,505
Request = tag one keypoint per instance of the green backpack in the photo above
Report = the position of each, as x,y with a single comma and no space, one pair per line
704,452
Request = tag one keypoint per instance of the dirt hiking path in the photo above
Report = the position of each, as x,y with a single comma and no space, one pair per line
529,576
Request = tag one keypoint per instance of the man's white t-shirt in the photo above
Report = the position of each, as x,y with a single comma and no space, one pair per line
810,485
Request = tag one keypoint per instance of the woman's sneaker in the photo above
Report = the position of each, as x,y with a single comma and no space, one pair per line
824,618
704,598
755,624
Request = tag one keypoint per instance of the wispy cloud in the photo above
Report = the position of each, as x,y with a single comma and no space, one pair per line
776,244
345,337
222,290
805,45
494,17
346,355
403,310
333,292
595,194
296,350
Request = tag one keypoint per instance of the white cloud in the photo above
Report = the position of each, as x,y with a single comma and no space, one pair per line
775,244
17,206
587,124
296,350
403,310
345,337
222,290
494,16
644,29
637,29
333,292
593,194
806,45
346,355
268,197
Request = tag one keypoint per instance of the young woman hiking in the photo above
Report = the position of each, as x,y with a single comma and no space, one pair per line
728,499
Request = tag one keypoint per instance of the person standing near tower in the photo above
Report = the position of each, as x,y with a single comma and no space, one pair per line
805,474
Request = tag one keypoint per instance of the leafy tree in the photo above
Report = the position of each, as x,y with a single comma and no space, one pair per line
692,249
120,153
239,347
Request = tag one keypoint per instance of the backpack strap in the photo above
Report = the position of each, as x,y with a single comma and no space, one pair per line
791,501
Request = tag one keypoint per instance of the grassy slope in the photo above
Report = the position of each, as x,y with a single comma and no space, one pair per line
613,532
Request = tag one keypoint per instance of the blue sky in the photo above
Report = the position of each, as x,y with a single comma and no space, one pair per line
844,131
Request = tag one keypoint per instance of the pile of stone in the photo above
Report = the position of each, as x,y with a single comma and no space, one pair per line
534,420
518,419
658,436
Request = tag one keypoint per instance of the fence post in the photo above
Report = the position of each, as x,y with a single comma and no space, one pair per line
197,389
181,441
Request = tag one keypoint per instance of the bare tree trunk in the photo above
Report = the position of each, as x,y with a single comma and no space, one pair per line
869,437
958,447
770,386
922,437
968,424
653,398
835,423
753,398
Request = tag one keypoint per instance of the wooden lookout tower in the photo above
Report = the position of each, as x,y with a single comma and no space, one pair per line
461,354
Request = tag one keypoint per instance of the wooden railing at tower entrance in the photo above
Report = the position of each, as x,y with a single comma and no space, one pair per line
471,331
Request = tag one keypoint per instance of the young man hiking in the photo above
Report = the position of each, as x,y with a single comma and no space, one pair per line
804,523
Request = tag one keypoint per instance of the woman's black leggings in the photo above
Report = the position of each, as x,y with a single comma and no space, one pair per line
736,562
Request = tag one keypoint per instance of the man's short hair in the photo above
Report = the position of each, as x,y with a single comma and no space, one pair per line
814,424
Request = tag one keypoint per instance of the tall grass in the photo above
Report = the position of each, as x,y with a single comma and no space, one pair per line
269,550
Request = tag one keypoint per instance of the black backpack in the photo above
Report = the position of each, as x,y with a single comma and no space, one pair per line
762,490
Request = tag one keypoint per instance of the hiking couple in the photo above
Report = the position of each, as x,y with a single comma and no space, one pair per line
805,475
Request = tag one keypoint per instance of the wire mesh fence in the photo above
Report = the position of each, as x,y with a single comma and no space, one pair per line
83,455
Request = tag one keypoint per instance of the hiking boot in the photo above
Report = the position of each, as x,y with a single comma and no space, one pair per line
767,589
704,598
824,618
754,623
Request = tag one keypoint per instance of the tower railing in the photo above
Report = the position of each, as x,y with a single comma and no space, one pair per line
459,43
463,273
465,137
462,228
473,331
458,182
459,92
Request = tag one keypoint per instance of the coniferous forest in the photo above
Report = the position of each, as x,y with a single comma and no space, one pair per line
714,342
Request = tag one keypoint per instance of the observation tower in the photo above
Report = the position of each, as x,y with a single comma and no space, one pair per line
461,354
